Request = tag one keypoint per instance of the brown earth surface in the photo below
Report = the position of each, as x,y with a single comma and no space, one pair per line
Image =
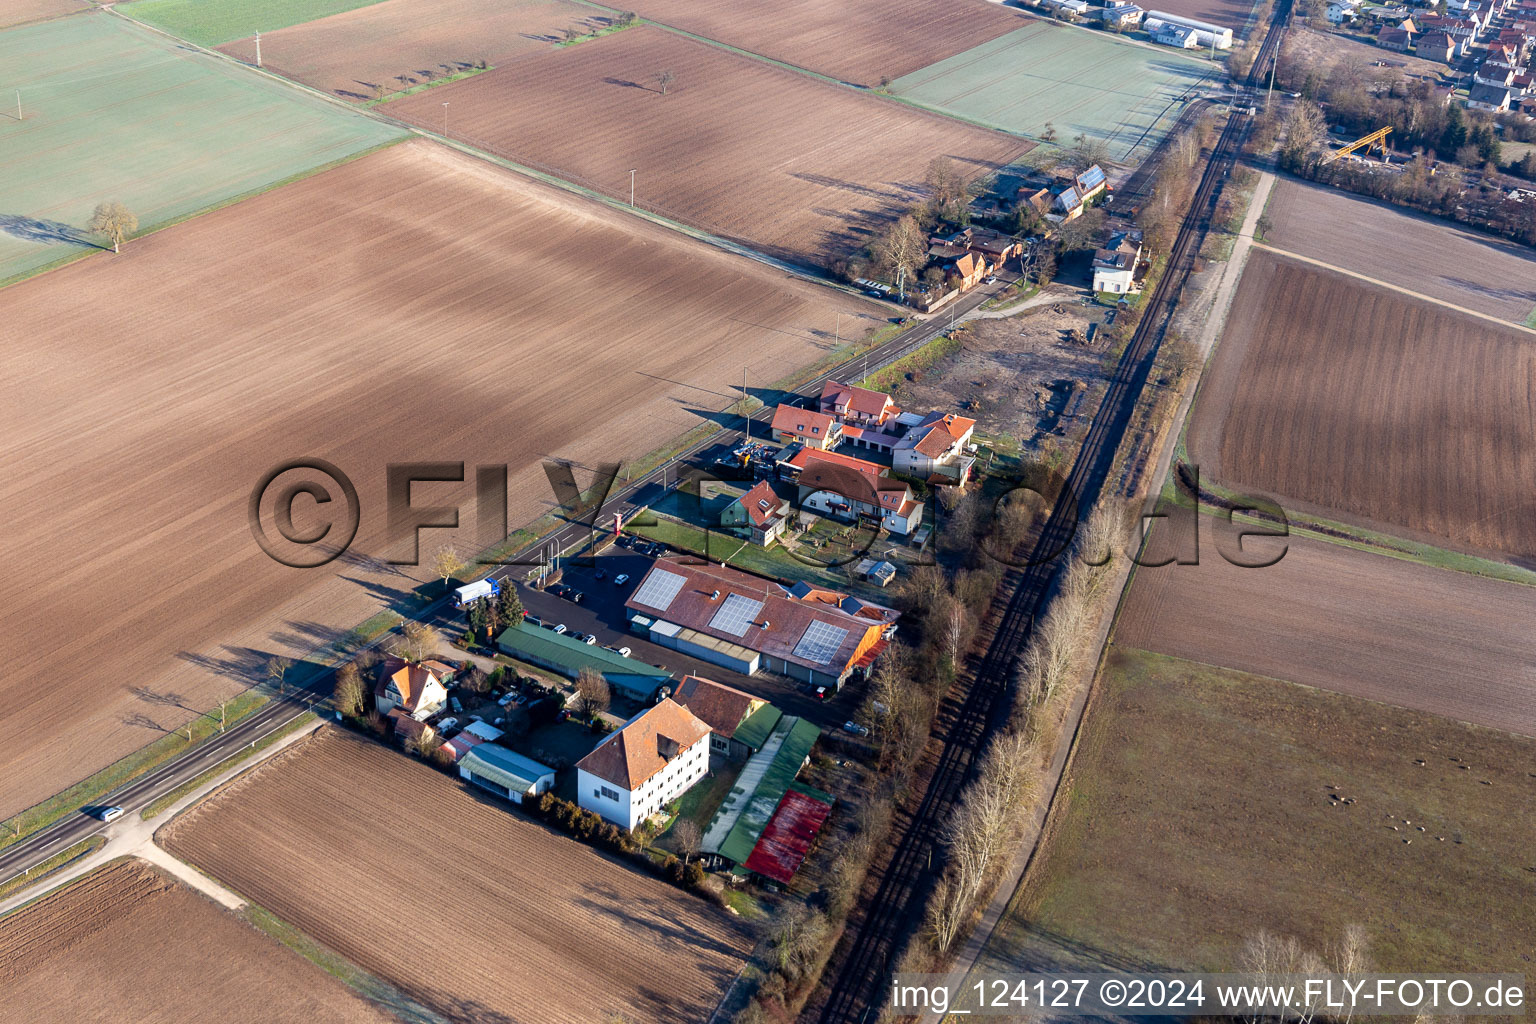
1203,806
796,167
1332,52
348,54
15,12
1432,257
373,853
127,943
1351,621
1374,407
1233,14
1013,375
859,41
417,304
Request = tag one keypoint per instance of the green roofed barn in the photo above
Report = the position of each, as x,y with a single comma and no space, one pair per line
768,775
537,646
506,773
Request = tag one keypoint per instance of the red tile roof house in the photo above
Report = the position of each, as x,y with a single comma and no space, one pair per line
748,624
653,759
417,689
936,448
816,429
1436,46
856,406
847,488
760,514
738,722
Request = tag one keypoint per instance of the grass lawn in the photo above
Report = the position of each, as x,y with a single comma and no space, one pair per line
212,22
1079,82
166,131
1205,805
702,800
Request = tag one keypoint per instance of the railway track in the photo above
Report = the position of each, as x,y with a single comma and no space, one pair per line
858,989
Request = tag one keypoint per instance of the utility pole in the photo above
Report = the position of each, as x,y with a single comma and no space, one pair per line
631,186
445,119
258,49
744,411
18,104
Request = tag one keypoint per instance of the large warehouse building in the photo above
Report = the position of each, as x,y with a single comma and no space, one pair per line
747,623
1205,34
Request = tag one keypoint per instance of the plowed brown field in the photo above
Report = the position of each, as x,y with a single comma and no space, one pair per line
375,855
348,54
415,304
1381,409
858,41
1429,256
127,943
1353,622
15,12
793,166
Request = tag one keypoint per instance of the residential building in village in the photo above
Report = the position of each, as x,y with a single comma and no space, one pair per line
651,760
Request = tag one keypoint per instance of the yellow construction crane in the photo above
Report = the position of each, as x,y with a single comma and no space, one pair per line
1367,143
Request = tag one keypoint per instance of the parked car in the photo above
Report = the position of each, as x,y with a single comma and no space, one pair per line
446,724
576,597
600,574
560,627
110,813
822,693
589,640
856,729
621,579
508,699
456,704
623,652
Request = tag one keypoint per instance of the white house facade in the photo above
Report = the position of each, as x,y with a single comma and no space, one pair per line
656,757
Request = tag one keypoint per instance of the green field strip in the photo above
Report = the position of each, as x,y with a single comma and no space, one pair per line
1530,321
1078,81
114,111
215,22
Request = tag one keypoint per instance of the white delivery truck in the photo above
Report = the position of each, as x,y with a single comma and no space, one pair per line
469,594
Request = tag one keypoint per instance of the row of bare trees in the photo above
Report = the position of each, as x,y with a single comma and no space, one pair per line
985,824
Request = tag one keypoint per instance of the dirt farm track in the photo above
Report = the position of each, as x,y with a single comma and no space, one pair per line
859,41
370,852
796,167
1373,407
412,305
127,943
1353,622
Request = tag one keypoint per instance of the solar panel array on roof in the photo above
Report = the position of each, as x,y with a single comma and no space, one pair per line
735,614
1091,177
659,588
820,642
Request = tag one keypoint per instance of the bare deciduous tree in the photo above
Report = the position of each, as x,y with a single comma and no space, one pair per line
351,692
277,671
419,641
592,693
446,563
113,220
686,837
665,80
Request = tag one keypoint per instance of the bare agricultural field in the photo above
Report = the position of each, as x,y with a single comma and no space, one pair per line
796,167
1233,14
535,926
15,12
859,41
416,304
1203,806
1432,257
388,45
129,943
1330,51
1352,621
1390,411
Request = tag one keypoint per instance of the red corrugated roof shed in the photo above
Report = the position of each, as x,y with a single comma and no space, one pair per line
784,843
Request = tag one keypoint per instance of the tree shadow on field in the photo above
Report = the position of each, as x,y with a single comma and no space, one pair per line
47,232
245,664
627,84
657,919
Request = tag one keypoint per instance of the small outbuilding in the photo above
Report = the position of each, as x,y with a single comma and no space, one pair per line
505,772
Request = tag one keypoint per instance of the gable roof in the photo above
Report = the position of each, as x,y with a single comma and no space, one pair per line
723,708
767,776
814,634
855,398
630,756
762,504
791,419
508,767
410,678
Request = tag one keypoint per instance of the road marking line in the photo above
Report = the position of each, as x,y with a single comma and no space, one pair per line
1396,288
